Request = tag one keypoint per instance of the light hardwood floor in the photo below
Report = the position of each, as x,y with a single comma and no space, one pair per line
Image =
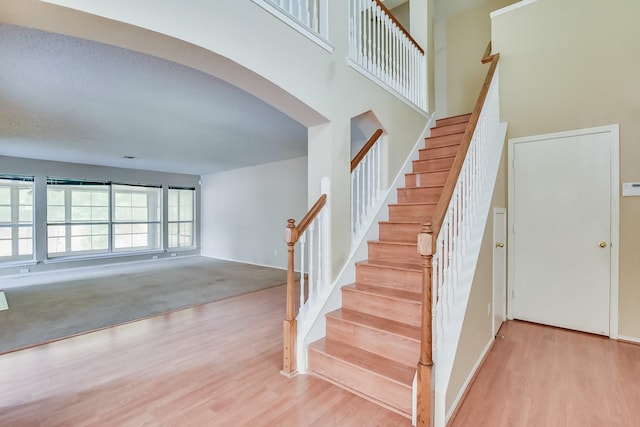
213,365
539,376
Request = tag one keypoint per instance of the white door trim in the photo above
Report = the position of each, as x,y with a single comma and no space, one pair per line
614,141
503,309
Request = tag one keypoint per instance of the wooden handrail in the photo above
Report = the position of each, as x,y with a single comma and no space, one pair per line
311,215
290,327
450,183
365,149
427,248
393,18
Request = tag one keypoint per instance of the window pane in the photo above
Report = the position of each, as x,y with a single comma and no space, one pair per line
25,232
139,199
122,229
100,199
173,236
139,228
5,195
80,243
26,196
122,241
25,247
55,197
100,213
186,237
122,214
81,214
56,230
139,214
55,214
122,198
56,245
5,214
5,233
186,205
6,248
26,214
80,198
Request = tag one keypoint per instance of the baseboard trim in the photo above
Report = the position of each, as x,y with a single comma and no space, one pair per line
277,267
630,340
469,382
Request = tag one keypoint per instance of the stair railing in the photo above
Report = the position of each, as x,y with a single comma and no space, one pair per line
381,47
311,14
312,236
366,183
450,244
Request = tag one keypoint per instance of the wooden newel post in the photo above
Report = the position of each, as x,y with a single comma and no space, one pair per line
290,326
426,250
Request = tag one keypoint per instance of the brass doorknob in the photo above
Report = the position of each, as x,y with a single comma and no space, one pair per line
499,245
602,244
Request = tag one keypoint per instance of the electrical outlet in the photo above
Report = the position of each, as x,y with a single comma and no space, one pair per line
275,252
173,254
154,257
24,270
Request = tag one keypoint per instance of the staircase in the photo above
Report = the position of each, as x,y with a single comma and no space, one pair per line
372,343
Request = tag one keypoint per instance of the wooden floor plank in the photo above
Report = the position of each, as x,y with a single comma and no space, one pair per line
216,364
543,376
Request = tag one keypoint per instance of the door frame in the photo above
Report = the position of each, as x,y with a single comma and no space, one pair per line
613,132
503,273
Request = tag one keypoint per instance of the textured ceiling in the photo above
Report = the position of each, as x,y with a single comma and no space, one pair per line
69,99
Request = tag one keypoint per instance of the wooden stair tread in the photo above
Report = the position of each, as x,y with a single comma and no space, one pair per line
381,366
384,292
405,244
453,119
413,204
386,325
393,265
452,136
421,186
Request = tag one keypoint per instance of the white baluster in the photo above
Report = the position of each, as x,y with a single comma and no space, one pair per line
312,276
302,241
320,275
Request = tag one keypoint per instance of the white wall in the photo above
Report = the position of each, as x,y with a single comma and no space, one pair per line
245,211
245,45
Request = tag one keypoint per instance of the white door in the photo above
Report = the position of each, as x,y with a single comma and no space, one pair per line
562,237
499,268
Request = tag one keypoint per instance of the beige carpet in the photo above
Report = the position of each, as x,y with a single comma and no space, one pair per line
44,312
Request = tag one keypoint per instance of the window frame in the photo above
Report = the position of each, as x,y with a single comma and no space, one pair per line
156,223
16,224
179,222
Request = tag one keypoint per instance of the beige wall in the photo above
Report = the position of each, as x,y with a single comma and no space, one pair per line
467,35
401,13
476,329
571,65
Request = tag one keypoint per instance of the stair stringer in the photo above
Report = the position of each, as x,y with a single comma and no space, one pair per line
445,354
312,321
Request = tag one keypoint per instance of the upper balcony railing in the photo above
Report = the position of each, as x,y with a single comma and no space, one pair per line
309,17
381,47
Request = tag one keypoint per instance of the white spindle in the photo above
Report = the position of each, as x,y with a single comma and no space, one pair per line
303,256
312,272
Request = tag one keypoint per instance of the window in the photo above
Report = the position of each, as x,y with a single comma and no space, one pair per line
16,217
77,217
136,217
181,217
